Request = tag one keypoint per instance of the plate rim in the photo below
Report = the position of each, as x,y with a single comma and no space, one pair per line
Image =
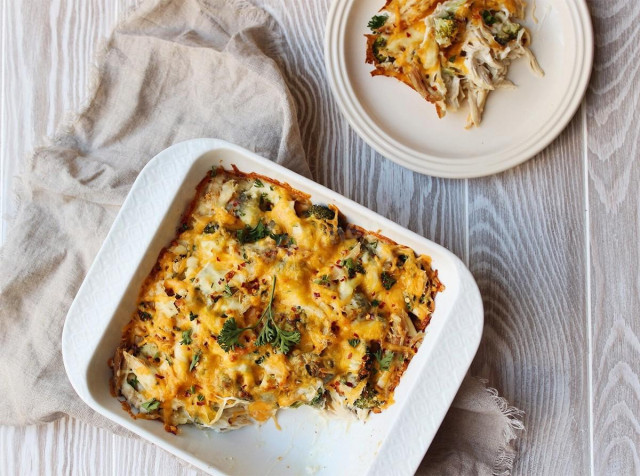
433,164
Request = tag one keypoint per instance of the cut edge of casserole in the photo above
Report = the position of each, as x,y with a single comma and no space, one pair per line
266,301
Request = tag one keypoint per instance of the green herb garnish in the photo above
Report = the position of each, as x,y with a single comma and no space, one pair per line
352,266
200,397
384,361
282,239
133,382
194,360
151,405
375,303
488,17
192,316
370,246
211,228
144,316
264,203
323,281
318,399
230,334
387,280
270,333
258,183
354,342
251,235
377,21
186,337
229,291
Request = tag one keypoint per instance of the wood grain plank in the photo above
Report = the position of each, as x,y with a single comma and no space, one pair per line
614,211
527,247
138,457
66,446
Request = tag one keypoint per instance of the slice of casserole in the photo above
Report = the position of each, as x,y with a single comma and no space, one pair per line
265,301
450,51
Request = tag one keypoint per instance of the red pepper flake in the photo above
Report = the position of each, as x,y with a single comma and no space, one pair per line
333,297
350,355
160,377
343,279
229,275
408,35
199,403
356,335
217,258
381,305
316,295
349,384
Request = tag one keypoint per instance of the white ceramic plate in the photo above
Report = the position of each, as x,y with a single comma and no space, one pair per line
392,442
517,124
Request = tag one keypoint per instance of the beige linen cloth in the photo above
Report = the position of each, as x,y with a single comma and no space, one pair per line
174,70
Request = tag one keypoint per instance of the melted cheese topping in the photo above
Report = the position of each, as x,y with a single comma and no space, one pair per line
358,301
449,50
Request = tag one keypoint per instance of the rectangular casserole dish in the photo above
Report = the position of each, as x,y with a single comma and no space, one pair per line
392,442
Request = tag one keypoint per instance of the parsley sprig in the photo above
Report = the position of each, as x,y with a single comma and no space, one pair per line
186,337
384,360
260,231
377,22
271,333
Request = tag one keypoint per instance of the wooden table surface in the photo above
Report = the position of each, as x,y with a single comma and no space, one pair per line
553,243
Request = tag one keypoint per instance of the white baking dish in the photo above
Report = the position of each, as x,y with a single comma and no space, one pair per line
392,442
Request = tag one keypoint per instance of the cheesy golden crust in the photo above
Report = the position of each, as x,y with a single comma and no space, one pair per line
266,301
450,51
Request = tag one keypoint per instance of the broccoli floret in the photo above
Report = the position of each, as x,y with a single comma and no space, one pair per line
367,399
320,211
446,30
488,17
507,32
381,43
377,21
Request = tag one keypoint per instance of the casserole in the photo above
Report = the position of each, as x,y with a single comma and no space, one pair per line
393,441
